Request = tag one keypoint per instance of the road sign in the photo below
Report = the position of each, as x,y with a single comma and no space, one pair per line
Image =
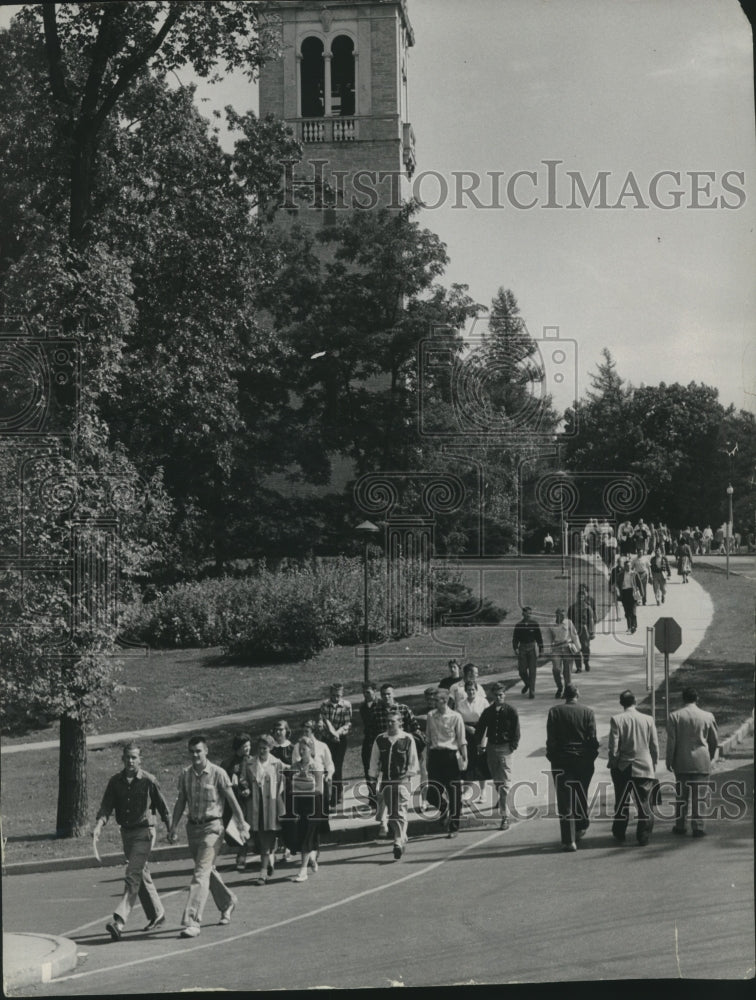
668,635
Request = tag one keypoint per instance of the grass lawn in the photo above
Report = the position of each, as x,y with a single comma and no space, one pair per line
186,684
168,686
722,665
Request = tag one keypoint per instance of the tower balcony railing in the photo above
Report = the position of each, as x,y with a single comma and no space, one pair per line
327,129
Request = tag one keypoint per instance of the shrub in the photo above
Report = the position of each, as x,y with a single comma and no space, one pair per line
296,611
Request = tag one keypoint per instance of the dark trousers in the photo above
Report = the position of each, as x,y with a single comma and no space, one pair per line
627,789
571,781
628,603
527,662
585,649
444,788
367,749
338,750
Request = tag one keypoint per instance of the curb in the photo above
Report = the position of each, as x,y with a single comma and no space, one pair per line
61,957
728,745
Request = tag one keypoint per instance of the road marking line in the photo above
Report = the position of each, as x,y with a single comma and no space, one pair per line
92,923
677,953
282,923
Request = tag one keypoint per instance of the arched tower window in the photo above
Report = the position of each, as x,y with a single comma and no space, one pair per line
342,76
313,79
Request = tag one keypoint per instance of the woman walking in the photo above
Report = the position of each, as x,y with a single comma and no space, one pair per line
309,819
282,750
265,804
684,559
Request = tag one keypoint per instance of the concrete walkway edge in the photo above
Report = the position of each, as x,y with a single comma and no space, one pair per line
31,959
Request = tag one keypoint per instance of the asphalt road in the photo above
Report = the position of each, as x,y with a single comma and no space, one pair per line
488,907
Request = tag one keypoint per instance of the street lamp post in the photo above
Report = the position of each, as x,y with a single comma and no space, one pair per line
728,541
366,531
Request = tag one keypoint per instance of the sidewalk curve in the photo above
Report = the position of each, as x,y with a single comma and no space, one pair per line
29,959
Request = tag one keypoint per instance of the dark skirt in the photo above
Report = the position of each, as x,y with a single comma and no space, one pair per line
301,831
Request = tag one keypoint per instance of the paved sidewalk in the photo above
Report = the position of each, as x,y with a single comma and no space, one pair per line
617,662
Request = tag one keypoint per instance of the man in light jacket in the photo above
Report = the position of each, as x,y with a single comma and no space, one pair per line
692,741
633,753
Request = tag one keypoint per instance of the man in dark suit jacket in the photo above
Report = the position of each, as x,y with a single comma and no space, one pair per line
571,747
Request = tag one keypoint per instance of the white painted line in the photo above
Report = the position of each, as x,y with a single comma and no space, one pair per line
283,923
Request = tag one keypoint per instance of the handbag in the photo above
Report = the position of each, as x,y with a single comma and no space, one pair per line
572,648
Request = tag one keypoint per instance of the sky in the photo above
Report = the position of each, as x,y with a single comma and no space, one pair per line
631,88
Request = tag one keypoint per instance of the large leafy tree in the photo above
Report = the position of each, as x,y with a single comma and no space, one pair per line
361,308
97,52
77,251
675,437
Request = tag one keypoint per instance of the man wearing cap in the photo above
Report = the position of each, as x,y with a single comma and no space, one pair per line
135,796
572,748
527,643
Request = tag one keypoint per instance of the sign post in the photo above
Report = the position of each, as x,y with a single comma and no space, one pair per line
668,639
650,679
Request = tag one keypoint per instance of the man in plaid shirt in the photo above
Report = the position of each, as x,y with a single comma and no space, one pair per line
336,722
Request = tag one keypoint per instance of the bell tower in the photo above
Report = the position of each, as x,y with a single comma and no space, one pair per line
341,85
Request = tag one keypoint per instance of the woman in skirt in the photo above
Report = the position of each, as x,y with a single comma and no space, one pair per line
265,804
684,559
307,799
283,749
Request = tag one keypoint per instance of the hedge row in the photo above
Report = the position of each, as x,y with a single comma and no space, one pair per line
296,611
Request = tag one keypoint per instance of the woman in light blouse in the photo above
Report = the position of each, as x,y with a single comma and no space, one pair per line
307,796
283,749
265,804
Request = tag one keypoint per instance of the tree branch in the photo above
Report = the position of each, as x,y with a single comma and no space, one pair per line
132,66
99,63
55,55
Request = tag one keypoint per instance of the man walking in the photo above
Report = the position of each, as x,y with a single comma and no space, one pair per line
564,649
203,787
498,730
527,643
377,723
582,613
336,720
135,796
628,589
633,753
572,748
394,759
692,741
660,573
447,758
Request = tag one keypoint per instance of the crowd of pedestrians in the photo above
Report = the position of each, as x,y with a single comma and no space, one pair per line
273,795
642,539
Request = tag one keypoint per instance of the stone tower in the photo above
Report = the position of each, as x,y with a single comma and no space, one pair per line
341,85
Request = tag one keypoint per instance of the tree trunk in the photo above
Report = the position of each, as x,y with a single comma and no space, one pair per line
72,779
81,189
